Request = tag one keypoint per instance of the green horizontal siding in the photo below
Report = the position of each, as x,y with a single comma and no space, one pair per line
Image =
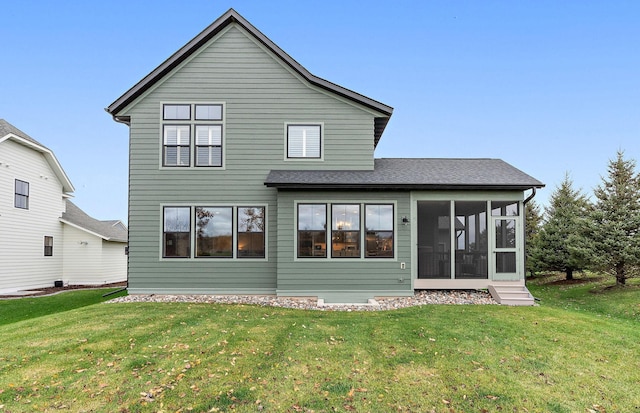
325,277
260,96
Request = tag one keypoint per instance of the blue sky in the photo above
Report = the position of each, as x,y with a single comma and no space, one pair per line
548,86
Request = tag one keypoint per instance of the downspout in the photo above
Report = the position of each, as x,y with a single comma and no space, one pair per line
530,197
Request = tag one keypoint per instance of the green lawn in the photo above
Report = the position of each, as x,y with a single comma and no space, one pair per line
151,357
12,310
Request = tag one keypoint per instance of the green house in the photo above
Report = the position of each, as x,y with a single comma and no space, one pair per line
250,175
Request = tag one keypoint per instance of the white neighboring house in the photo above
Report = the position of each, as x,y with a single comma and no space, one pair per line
39,225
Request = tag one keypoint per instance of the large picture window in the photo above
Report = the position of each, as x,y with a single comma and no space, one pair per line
379,226
312,230
21,194
177,232
304,141
214,232
250,232
192,134
345,230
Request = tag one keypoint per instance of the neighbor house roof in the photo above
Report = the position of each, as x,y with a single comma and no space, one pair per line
10,132
207,34
411,173
112,230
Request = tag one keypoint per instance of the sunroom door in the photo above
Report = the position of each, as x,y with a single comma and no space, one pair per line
506,240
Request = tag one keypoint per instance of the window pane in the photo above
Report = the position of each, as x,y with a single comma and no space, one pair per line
250,245
379,217
209,156
209,135
177,244
504,208
208,112
176,135
177,112
22,188
312,217
345,217
345,244
303,141
505,233
214,232
251,219
379,244
505,262
312,244
177,232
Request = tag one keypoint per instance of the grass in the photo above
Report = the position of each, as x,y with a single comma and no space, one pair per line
151,357
14,310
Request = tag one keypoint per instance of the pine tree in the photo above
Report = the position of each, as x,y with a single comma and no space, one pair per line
615,221
533,222
562,244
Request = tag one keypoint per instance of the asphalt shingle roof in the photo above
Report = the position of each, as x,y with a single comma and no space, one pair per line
7,128
112,230
411,173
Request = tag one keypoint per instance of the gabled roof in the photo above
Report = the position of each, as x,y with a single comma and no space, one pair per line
411,173
112,230
8,131
231,16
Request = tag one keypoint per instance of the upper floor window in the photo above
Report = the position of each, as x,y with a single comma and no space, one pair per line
22,194
304,141
192,135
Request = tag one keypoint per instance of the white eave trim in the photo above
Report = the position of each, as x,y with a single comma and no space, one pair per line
67,186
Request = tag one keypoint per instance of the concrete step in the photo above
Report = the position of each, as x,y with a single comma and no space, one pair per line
511,294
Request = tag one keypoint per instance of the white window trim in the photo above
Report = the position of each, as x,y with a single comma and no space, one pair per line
192,141
286,141
363,231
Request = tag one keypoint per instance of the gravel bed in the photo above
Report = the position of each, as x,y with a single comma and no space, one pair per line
422,297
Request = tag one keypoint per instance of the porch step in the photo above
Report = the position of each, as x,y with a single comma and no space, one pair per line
511,294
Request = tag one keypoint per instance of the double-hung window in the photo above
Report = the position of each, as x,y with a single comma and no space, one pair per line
345,230
48,246
177,232
312,230
192,134
251,232
21,194
379,225
304,141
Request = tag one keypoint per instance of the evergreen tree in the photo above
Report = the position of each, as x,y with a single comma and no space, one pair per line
615,220
562,244
532,224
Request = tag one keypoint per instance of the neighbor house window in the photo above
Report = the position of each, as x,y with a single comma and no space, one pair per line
214,232
48,246
345,230
177,232
22,194
192,135
312,230
304,141
379,226
250,232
